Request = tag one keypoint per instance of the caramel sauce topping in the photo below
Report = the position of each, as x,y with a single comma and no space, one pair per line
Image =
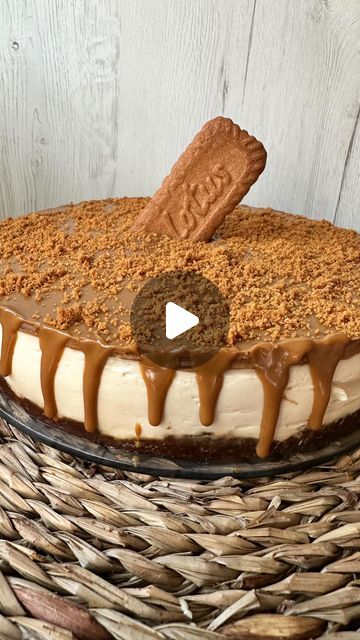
292,285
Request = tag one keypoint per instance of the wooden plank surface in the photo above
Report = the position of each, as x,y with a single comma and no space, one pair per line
99,97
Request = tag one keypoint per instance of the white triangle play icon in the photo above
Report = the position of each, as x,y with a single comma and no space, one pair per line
178,320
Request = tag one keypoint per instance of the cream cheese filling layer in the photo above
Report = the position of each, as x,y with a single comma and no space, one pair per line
122,401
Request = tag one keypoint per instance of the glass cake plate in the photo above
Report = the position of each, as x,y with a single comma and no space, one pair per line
13,413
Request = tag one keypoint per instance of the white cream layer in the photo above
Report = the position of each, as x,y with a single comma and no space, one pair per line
123,401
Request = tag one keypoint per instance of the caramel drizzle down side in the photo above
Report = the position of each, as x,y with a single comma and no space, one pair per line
10,323
272,365
271,362
96,355
323,358
157,380
210,378
52,344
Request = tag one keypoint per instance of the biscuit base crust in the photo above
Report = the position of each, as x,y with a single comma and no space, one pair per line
201,448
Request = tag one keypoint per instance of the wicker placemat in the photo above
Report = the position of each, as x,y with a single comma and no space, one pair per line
92,553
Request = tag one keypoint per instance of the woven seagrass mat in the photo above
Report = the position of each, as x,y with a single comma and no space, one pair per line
91,553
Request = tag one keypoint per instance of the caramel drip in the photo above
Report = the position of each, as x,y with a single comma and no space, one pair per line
96,355
157,380
210,378
11,324
324,357
272,364
52,344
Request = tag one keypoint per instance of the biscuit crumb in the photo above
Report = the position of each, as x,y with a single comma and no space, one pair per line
79,268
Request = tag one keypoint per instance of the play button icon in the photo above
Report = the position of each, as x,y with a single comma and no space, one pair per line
179,319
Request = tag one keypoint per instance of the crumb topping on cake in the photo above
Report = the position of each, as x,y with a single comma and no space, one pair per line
79,267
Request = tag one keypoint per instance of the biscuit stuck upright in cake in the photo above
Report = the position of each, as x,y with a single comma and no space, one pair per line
209,179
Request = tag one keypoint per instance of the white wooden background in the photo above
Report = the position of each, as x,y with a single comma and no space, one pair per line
99,97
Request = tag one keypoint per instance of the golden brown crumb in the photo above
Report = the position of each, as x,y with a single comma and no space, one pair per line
79,269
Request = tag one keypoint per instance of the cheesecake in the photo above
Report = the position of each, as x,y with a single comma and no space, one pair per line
286,378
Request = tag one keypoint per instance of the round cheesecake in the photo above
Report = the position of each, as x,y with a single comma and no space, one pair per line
287,374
